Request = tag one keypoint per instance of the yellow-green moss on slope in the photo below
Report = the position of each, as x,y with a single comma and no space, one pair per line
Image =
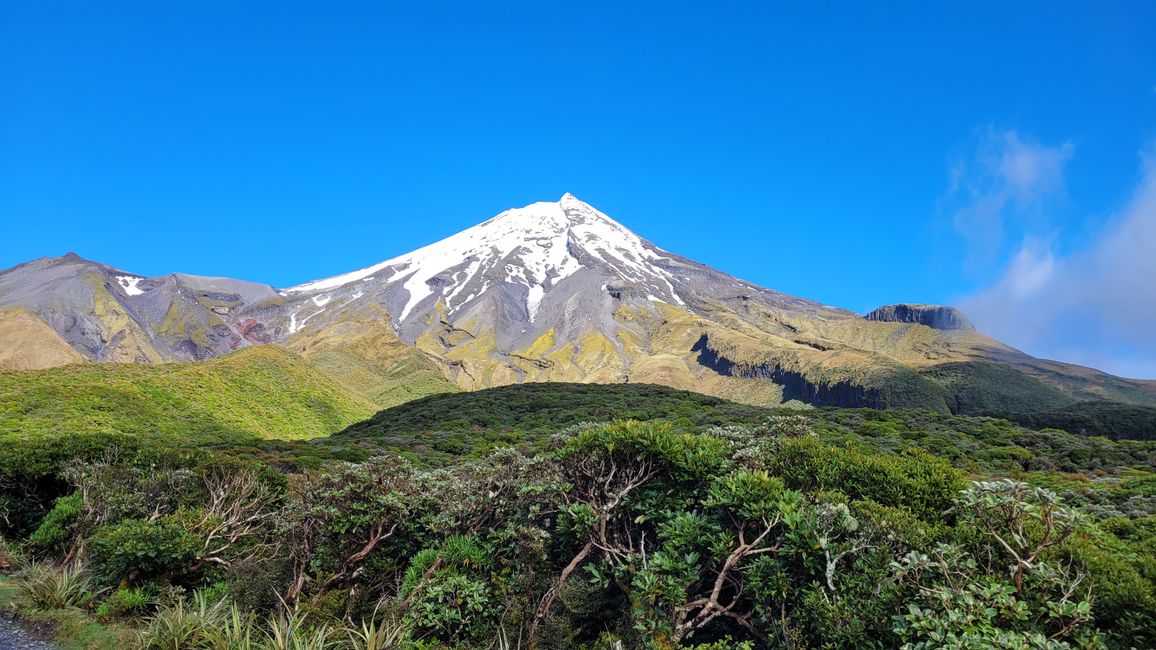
364,354
258,392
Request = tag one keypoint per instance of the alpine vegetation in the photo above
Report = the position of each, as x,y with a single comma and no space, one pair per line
774,530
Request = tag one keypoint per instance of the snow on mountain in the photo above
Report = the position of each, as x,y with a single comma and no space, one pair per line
129,283
536,246
553,291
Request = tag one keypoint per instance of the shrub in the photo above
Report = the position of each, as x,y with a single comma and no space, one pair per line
975,600
445,593
11,557
451,608
623,442
136,550
826,530
256,584
1124,600
915,480
56,528
126,603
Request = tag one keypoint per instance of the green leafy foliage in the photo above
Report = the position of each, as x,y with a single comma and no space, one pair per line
126,602
56,528
914,479
135,550
723,527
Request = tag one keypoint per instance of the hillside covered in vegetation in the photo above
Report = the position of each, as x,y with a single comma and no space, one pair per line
535,516
444,427
257,392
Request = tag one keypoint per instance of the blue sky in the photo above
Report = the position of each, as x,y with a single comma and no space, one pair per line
926,153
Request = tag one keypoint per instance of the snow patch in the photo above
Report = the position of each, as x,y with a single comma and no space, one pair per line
322,300
356,294
295,325
129,284
339,280
534,299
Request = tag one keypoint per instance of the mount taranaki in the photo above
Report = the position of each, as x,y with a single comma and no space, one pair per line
549,292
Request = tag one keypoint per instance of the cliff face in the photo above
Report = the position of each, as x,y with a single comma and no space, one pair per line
934,316
900,388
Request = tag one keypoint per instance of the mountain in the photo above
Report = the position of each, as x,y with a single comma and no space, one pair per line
554,291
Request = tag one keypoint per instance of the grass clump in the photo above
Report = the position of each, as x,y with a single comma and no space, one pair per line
185,623
48,587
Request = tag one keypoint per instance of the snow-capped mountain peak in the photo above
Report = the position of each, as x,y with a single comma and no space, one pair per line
536,246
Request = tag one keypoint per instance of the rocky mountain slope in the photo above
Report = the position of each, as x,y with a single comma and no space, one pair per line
554,291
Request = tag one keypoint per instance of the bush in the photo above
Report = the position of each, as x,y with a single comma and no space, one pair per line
453,608
915,480
447,595
806,530
136,550
1124,600
126,603
56,529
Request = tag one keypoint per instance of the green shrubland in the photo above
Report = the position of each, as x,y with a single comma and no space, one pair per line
257,392
698,523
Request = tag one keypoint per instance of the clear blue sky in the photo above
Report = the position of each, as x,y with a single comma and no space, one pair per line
830,150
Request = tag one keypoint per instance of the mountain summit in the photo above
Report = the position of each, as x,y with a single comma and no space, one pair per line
562,266
550,291
537,247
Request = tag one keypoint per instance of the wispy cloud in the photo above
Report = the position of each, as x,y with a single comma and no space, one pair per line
1094,306
1008,179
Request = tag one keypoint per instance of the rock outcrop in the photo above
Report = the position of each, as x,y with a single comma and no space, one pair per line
934,316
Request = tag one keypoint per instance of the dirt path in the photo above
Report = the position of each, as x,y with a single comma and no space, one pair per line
13,637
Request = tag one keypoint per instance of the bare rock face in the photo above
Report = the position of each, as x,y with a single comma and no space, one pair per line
934,316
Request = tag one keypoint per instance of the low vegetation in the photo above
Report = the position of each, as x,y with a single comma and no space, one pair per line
698,523
258,392
1110,419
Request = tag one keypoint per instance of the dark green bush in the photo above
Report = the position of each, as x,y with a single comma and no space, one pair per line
56,529
915,480
135,551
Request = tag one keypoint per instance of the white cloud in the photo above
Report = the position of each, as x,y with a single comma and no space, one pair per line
1031,170
1007,180
1095,305
1031,269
